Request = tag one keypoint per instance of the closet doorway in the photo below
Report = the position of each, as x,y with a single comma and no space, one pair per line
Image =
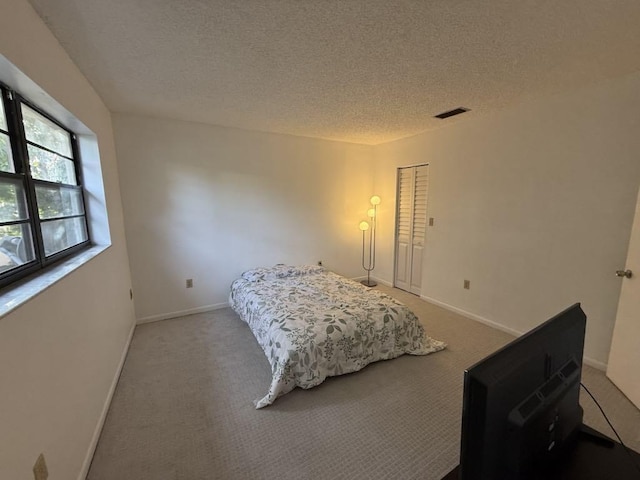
411,225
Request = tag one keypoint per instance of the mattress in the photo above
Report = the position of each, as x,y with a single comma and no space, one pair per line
312,324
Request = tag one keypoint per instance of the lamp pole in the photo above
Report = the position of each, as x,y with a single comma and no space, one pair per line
372,213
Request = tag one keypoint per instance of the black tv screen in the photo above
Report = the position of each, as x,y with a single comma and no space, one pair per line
520,409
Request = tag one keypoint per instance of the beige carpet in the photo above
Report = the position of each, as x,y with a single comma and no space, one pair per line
183,407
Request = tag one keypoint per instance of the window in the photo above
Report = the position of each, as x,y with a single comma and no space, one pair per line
42,214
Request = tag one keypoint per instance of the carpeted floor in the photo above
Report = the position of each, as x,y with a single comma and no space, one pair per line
183,408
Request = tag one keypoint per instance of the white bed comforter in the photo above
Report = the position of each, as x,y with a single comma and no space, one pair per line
313,324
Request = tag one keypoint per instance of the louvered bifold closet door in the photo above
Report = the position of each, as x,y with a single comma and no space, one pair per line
411,218
404,228
419,225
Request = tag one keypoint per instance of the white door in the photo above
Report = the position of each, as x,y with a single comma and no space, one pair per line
411,223
624,358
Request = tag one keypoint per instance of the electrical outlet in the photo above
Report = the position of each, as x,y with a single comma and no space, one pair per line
467,284
431,221
40,471
189,282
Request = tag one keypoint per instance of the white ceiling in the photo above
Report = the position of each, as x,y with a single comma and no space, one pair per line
364,71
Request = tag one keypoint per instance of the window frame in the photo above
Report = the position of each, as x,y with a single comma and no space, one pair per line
12,102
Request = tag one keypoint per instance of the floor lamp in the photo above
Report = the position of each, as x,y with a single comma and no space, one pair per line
370,263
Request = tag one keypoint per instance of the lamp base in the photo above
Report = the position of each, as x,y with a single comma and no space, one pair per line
368,283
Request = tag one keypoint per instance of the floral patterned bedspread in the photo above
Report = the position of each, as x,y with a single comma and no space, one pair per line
313,324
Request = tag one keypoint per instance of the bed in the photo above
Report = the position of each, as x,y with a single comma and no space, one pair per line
312,324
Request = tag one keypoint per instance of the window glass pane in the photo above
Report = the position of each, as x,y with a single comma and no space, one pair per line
15,246
12,201
3,119
41,130
61,234
6,158
51,167
58,201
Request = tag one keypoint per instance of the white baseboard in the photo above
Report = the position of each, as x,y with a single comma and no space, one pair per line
588,361
182,313
384,282
375,279
105,409
472,316
595,363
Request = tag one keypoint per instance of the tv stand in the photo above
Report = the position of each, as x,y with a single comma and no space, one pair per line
594,457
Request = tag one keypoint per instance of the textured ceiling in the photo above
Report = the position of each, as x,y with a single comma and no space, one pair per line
365,71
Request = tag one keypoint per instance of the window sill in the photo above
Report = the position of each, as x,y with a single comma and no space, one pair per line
17,295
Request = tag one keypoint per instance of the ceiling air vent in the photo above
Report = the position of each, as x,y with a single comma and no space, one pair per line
451,113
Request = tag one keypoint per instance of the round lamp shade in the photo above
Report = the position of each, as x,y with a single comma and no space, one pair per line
364,226
371,212
375,200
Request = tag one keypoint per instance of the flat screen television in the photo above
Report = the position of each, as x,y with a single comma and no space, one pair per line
520,410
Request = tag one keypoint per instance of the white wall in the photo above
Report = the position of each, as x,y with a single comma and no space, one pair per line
207,202
533,204
59,352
